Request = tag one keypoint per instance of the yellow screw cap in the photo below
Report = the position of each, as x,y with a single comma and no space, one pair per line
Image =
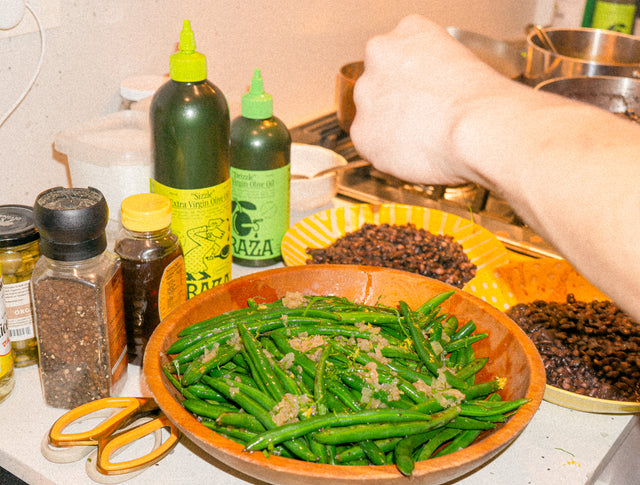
146,212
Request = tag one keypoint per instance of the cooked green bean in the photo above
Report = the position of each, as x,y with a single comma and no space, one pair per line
372,452
430,447
325,387
403,452
339,422
376,431
357,453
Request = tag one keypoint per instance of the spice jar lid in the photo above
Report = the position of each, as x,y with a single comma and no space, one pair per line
71,222
146,212
16,225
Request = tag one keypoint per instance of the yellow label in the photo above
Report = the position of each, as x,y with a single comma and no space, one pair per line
173,287
201,218
6,356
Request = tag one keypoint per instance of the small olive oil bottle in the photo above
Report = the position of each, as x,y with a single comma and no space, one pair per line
260,152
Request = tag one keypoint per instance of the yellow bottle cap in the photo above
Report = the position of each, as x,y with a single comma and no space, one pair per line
187,65
146,212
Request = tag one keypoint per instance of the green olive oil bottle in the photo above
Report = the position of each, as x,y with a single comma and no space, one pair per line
260,176
616,15
190,123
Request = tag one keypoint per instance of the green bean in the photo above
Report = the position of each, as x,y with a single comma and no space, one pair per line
368,317
461,441
260,397
434,443
205,392
464,331
403,452
483,408
422,347
358,432
464,342
319,390
186,393
206,362
238,435
482,389
240,420
464,422
356,452
298,447
472,368
372,452
425,345
343,394
261,364
380,415
434,302
449,327
204,408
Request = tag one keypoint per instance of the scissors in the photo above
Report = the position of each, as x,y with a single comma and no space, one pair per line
128,419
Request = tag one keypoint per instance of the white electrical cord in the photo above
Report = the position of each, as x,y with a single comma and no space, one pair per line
35,75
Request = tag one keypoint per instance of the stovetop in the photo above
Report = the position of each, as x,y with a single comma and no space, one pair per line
371,186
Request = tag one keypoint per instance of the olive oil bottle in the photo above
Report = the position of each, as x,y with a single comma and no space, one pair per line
260,176
190,124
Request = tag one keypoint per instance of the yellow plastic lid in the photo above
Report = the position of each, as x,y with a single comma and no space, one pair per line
187,65
146,212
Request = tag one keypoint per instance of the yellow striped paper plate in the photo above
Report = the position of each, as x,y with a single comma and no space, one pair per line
548,280
323,228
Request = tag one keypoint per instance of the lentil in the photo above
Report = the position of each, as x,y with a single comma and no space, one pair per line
403,247
590,348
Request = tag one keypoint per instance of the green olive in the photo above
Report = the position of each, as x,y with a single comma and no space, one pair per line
11,262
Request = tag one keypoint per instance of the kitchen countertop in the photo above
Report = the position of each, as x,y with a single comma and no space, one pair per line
559,445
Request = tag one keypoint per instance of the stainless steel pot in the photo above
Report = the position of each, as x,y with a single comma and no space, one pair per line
581,52
504,57
613,93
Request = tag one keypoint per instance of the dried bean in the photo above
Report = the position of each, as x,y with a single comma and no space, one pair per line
403,247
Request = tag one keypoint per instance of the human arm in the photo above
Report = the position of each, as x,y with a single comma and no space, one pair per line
430,112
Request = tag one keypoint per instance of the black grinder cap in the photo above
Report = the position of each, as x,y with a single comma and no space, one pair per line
71,223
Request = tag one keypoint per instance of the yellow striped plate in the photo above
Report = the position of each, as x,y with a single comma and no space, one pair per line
323,228
549,280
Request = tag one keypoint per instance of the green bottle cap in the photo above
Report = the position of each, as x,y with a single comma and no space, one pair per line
187,65
256,104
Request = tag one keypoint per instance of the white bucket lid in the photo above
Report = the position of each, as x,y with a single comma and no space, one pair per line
120,138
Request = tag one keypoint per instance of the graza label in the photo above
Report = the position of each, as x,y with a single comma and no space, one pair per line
258,219
201,218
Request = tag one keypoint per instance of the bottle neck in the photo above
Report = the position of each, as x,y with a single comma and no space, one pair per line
147,234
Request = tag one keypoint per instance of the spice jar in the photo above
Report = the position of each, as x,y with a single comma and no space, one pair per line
7,380
155,280
19,251
78,300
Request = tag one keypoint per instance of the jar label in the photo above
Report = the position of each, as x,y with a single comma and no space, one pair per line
173,287
116,332
17,298
260,212
6,357
618,17
201,218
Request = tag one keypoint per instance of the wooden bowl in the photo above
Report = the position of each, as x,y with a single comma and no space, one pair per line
511,356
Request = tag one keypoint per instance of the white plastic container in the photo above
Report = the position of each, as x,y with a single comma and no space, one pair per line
110,154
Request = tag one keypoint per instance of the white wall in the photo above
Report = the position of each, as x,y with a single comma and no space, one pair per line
299,45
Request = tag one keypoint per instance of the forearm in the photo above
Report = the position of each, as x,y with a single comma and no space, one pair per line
572,177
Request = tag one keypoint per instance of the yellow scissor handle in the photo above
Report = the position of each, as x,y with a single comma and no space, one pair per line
131,407
110,445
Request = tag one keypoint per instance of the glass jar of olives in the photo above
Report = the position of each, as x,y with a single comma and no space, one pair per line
19,251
